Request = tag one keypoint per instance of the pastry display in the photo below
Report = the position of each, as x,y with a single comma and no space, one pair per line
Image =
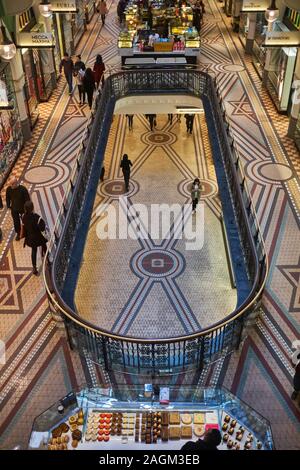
74,444
174,432
164,433
174,417
186,432
199,418
199,430
186,418
73,419
77,435
57,432
165,418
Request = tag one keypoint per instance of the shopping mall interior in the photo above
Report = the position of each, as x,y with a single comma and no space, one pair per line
167,304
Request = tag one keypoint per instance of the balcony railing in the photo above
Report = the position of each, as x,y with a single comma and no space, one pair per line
171,355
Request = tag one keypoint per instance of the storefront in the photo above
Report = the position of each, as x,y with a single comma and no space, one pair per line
35,45
258,51
160,33
132,418
280,70
69,24
11,137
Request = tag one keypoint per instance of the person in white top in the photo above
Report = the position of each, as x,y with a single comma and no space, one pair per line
79,81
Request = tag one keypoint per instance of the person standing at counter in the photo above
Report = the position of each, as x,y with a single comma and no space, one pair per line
212,438
125,165
89,85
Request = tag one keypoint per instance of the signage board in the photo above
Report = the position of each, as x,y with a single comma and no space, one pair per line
35,39
64,6
253,6
282,39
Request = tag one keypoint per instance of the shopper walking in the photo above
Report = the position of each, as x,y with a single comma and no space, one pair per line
130,121
78,65
68,67
125,165
34,226
16,196
79,81
152,120
189,118
98,69
89,85
195,193
296,382
170,118
103,11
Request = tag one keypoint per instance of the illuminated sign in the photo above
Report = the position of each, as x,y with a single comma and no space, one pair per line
253,6
35,39
64,7
282,39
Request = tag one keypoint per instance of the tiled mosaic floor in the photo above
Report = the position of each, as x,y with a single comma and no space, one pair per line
39,365
157,287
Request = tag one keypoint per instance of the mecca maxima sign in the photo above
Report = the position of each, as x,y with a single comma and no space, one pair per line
254,6
66,6
282,39
35,39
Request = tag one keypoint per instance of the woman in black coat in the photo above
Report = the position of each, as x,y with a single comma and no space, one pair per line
33,226
125,165
89,85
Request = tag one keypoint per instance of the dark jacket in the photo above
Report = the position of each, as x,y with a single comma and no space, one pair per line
77,66
33,226
88,83
67,65
195,447
125,165
16,198
98,71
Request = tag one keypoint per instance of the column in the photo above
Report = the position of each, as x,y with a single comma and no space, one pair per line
51,65
236,11
295,110
19,82
251,33
268,61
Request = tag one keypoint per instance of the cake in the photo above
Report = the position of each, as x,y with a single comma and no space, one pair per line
174,432
186,432
186,418
164,433
199,418
164,417
199,430
174,417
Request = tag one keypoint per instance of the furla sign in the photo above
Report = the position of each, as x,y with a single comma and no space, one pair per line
64,6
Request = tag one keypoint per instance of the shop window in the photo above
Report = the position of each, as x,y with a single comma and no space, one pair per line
292,19
26,20
11,138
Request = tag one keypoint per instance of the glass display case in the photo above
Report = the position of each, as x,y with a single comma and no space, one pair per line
105,419
125,40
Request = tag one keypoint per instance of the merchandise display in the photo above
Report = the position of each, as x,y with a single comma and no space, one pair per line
105,423
159,30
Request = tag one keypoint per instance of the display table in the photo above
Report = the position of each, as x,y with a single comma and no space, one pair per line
105,422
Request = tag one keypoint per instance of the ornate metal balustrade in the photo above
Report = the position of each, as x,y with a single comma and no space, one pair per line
171,355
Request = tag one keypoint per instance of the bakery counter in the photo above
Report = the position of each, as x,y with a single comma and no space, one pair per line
108,423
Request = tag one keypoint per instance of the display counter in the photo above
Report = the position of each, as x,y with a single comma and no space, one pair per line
161,29
99,421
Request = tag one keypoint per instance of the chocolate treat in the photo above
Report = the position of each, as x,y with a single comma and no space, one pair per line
227,419
231,431
137,437
164,433
76,435
225,437
164,417
259,445
233,423
239,436
224,427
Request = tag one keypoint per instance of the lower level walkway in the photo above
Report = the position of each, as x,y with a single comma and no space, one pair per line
168,285
40,368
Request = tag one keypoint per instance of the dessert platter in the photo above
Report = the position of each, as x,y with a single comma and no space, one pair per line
235,436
